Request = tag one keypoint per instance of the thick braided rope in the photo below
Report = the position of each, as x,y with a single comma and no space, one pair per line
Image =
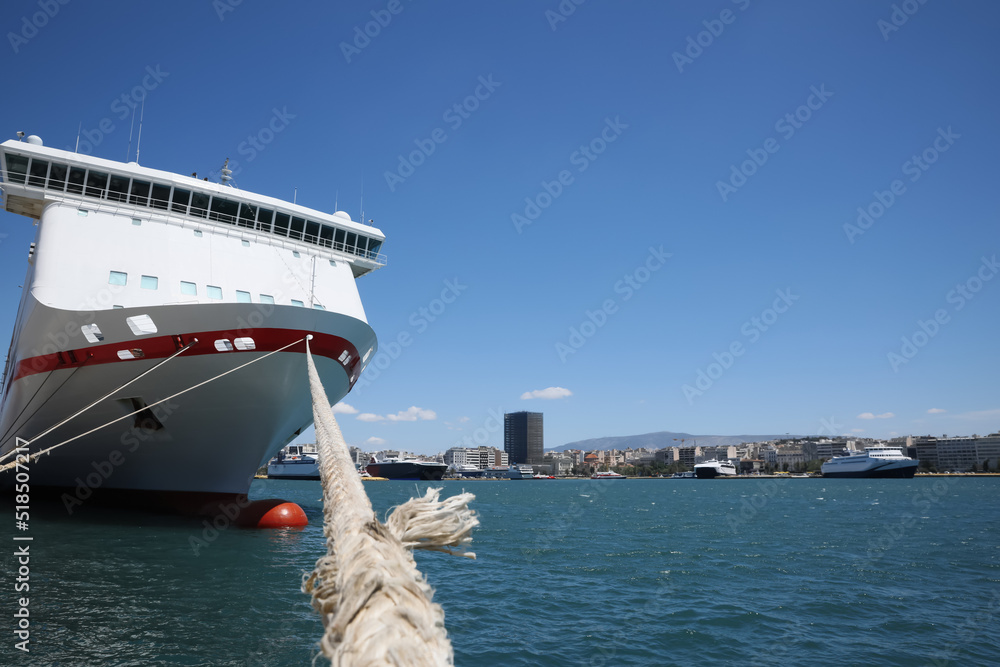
376,606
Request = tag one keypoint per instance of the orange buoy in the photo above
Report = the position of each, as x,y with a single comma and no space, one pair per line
285,515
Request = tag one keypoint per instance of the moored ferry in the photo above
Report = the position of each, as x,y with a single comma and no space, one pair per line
878,461
295,462
714,468
174,313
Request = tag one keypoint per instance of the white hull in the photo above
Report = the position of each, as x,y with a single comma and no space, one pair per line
212,439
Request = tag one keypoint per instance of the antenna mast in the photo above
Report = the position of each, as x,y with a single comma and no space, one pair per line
142,112
130,127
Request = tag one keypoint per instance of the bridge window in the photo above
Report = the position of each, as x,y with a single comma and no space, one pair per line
199,204
117,188
76,178
161,196
180,201
223,210
326,235
312,232
57,176
248,214
352,241
97,183
373,246
17,168
264,218
281,221
338,240
298,226
39,170
190,289
140,192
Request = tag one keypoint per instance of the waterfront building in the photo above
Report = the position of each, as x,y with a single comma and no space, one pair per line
688,456
958,454
522,437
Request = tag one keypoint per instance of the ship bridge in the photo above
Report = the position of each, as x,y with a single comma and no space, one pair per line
35,176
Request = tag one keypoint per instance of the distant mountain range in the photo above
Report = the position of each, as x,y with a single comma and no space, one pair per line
662,439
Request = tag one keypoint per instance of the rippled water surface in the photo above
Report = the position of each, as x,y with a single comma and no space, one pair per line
635,572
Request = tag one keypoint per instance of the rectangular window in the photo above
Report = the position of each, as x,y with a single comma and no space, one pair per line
312,232
223,210
191,289
17,168
248,215
352,240
214,292
199,204
76,178
117,188
296,302
281,224
266,298
57,176
319,307
181,199
161,196
338,240
326,236
150,282
242,297
264,218
97,183
298,226
118,278
140,192
39,170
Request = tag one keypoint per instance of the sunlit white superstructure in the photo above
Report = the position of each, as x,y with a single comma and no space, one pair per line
878,461
714,468
131,265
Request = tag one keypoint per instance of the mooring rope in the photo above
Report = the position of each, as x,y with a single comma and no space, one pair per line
375,604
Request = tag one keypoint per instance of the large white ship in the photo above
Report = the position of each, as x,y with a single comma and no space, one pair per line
132,265
879,461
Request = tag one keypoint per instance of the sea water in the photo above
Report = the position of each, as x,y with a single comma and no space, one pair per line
568,572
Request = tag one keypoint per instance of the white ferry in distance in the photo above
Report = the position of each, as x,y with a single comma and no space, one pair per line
131,265
714,468
877,461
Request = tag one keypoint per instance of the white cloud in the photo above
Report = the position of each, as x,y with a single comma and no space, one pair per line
869,415
857,430
462,420
375,441
981,414
935,411
412,414
548,393
344,409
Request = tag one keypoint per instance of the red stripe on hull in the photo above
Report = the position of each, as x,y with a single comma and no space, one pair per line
161,347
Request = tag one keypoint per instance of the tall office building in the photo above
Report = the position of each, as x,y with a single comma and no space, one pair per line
522,437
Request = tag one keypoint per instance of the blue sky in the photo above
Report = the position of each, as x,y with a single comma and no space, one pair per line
639,217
